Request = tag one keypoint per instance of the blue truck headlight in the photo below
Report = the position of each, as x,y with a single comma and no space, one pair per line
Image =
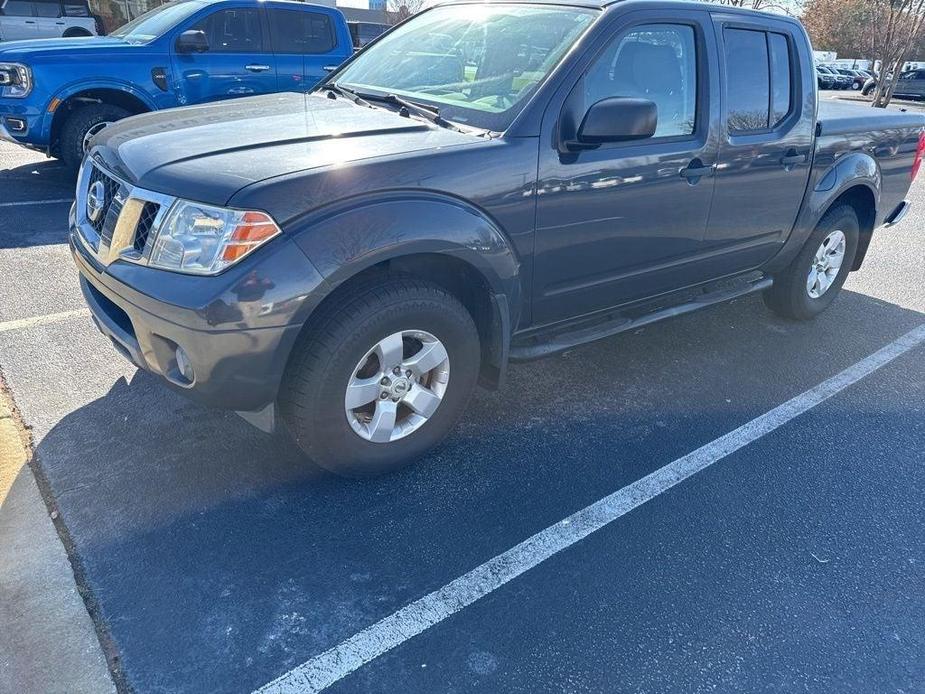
204,240
15,80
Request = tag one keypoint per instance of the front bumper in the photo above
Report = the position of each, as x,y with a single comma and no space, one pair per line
236,368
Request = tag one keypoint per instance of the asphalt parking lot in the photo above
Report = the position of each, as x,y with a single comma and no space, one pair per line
211,558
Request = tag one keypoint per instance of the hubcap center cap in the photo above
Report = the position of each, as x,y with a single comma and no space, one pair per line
399,388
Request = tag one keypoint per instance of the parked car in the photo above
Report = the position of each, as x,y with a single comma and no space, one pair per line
54,95
825,79
363,32
909,85
858,79
347,265
839,81
45,19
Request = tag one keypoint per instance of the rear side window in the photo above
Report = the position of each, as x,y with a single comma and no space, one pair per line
76,9
295,31
233,31
758,79
17,8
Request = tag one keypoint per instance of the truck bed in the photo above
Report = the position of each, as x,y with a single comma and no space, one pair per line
843,118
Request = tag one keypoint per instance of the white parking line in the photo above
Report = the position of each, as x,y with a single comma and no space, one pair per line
336,663
42,320
57,201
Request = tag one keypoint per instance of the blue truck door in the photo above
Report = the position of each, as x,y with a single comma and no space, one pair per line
305,42
766,140
237,62
625,221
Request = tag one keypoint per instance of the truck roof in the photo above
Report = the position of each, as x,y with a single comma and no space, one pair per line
631,4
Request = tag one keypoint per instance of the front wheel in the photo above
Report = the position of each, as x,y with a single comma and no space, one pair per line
80,127
381,380
810,283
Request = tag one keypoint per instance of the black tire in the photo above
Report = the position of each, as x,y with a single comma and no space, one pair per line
311,401
789,296
75,33
78,124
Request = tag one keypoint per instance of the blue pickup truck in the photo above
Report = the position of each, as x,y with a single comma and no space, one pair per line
56,94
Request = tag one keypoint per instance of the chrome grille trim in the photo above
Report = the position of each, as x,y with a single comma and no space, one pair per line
129,221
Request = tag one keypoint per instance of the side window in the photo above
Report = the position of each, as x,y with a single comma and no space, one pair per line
295,31
233,31
43,8
780,77
76,9
17,8
656,62
758,79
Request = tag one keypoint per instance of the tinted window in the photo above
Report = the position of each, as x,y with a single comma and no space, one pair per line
76,9
47,9
17,8
656,62
780,77
294,31
748,85
233,31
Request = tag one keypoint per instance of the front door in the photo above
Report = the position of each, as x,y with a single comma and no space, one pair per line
766,149
626,221
18,21
238,62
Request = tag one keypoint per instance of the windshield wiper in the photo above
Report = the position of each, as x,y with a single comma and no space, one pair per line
347,92
431,113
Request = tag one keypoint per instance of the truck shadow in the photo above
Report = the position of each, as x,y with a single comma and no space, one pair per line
216,549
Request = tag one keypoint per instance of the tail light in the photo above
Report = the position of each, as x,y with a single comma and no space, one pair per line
919,152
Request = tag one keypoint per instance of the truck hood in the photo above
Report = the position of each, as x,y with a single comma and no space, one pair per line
208,153
24,50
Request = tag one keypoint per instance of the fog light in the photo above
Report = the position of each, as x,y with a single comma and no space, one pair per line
184,366
16,125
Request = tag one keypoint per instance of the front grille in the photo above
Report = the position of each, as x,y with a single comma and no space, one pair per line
145,224
127,219
110,187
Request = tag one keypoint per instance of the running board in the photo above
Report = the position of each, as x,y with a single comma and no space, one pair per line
539,347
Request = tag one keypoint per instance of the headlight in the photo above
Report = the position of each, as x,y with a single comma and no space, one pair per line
15,80
204,240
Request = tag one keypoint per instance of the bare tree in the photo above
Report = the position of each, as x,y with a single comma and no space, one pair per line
400,10
791,7
901,24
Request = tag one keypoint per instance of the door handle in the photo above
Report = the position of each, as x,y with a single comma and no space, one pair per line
696,170
256,68
29,21
793,159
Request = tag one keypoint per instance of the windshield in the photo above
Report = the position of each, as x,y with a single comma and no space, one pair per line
152,24
479,64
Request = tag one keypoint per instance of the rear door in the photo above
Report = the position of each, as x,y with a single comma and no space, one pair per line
17,21
302,42
48,20
769,114
239,61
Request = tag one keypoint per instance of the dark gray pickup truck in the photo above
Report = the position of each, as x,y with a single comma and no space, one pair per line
486,182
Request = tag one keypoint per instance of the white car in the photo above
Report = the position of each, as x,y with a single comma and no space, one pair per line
45,19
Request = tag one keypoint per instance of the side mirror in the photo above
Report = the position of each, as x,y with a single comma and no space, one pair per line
617,119
192,41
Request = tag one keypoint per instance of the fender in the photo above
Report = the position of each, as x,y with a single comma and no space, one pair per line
352,235
853,170
69,90
343,239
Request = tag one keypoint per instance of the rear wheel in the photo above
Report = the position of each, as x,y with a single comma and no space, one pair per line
80,127
383,379
811,282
